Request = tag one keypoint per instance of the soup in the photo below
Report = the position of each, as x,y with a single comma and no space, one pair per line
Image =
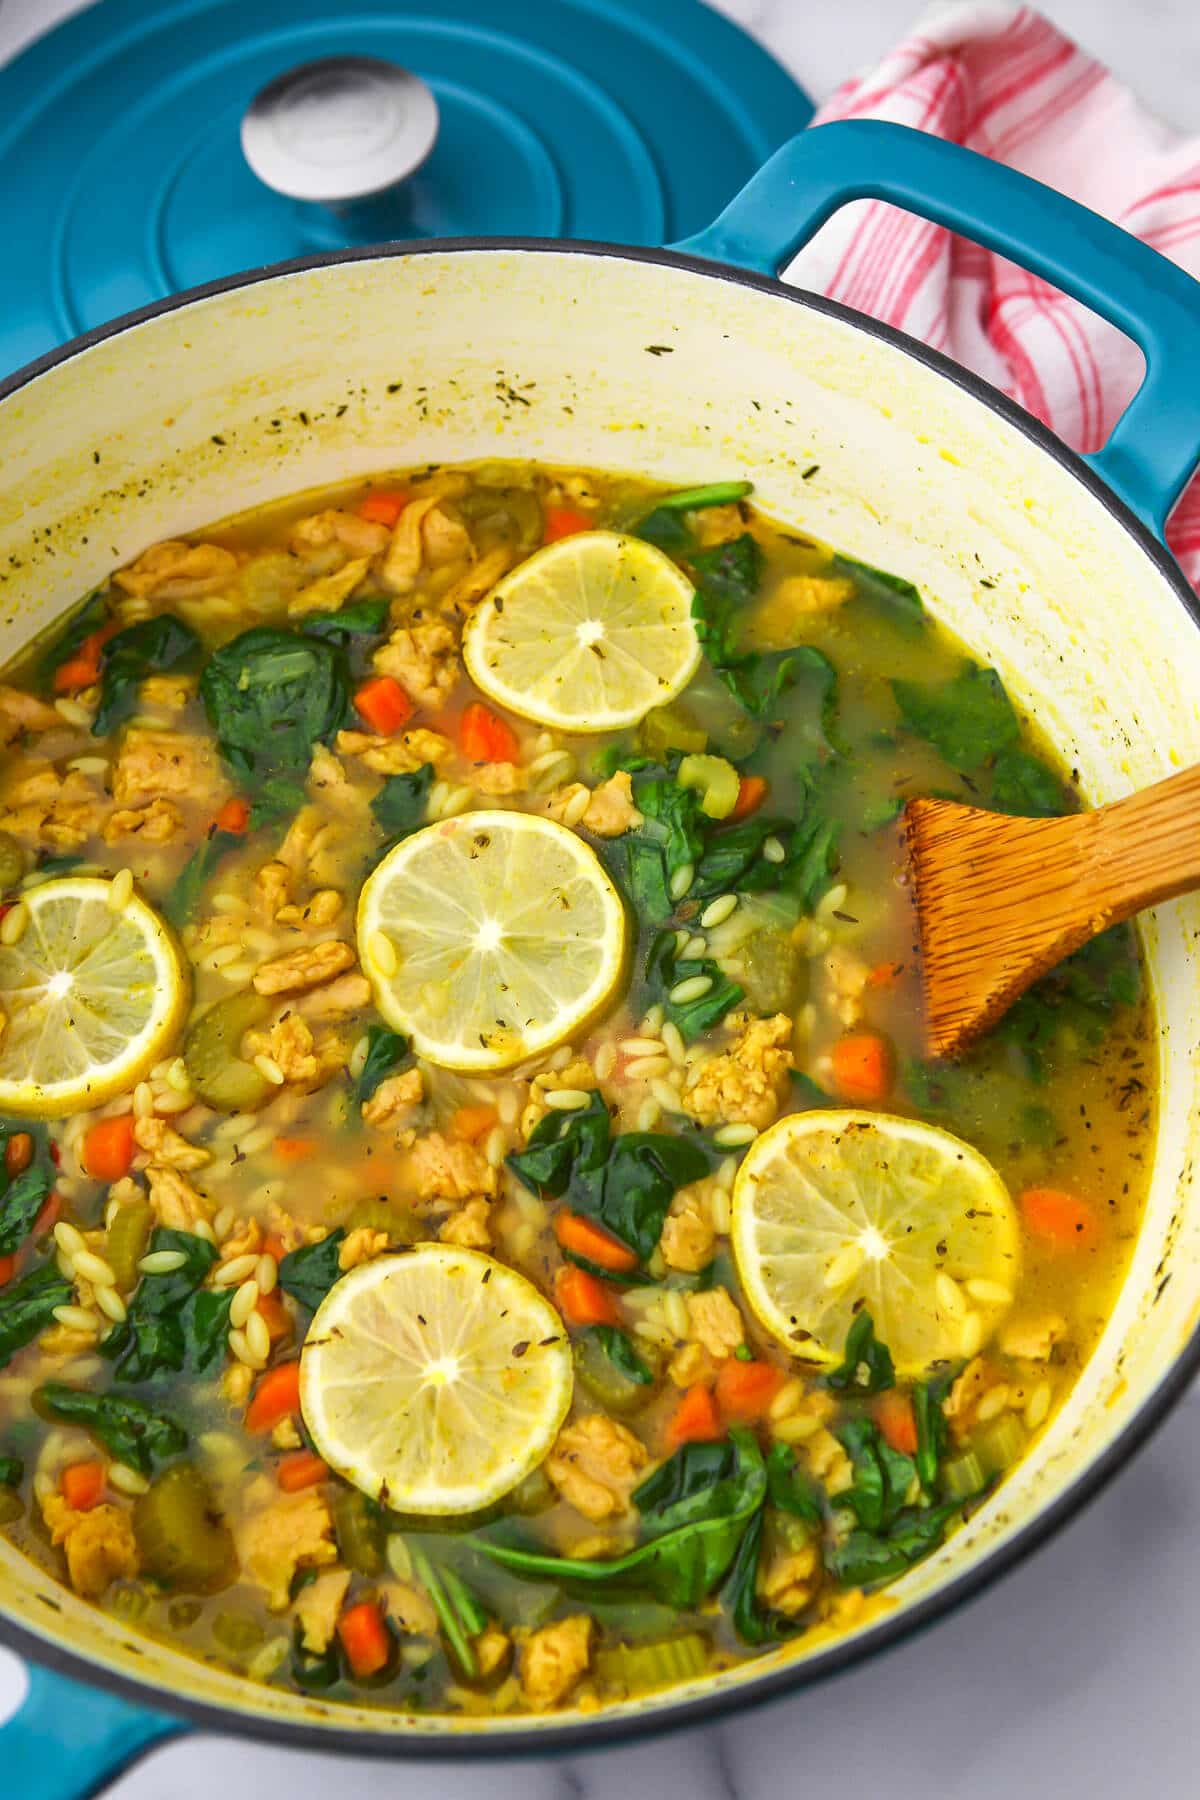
478,1230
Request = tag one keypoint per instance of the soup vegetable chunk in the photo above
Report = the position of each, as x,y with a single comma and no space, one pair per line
478,1233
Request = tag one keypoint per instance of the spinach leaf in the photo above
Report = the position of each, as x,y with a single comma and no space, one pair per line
154,1337
865,1558
385,1049
279,798
790,1488
12,1471
807,1093
1023,784
90,616
665,524
901,598
307,1274
727,578
694,1469
129,1429
670,836
932,1430
364,618
270,695
149,648
22,1201
631,1194
664,973
879,812
618,1346
206,1329
399,806
625,1183
868,1366
560,1142
691,1542
968,719
882,1476
753,1622
1080,995
23,1196
733,860
27,1307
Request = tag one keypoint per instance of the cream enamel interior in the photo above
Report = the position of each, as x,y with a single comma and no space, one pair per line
302,378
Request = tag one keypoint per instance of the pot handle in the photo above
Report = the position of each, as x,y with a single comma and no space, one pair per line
67,1742
1155,444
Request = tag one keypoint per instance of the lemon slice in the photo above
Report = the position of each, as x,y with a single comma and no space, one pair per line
836,1211
490,937
93,991
587,634
436,1380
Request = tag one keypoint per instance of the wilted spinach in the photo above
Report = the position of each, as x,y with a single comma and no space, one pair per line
270,695
129,1429
307,1274
27,1307
161,1327
152,647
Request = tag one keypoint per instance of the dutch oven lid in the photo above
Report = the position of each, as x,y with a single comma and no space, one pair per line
130,137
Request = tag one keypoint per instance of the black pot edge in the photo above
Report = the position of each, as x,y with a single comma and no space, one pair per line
607,1731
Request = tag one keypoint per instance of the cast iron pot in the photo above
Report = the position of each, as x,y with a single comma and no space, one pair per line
686,364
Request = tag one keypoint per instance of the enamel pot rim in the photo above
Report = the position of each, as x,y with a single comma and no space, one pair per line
653,1720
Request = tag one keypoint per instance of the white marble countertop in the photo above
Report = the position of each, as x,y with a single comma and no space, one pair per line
1075,1678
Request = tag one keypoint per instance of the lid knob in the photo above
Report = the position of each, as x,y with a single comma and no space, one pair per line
340,129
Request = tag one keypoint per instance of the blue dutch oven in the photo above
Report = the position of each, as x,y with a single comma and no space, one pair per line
686,363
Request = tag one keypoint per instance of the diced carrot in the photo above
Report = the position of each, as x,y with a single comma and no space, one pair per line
8,1268
365,1639
47,1219
382,508
82,1485
471,1122
83,669
275,1316
564,521
583,1299
108,1148
694,1420
18,1153
746,1389
275,1246
885,974
752,791
862,1066
294,1149
302,1470
384,704
896,1420
275,1399
483,737
234,816
583,1238
1060,1219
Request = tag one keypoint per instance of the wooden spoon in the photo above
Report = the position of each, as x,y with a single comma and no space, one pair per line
1001,900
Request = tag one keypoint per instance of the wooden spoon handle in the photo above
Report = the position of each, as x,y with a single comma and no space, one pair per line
1142,850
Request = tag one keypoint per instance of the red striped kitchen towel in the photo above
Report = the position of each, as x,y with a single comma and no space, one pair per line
1003,80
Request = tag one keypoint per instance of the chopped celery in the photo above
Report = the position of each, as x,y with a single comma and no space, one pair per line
604,1380
641,1666
667,728
717,781
212,1054
237,1633
359,1532
393,1216
963,1476
126,1239
182,1539
999,1443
